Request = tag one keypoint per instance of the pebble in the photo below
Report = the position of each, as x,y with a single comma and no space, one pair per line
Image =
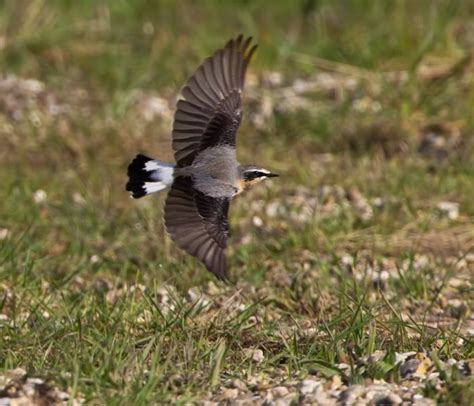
209,403
309,386
18,373
154,107
229,393
4,233
280,391
378,203
239,384
419,400
256,355
351,394
40,196
257,221
35,381
409,367
401,357
289,399
375,357
449,209
384,399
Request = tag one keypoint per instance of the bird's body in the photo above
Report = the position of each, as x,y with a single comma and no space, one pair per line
214,171
207,175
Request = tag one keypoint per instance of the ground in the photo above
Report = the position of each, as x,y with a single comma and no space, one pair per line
351,274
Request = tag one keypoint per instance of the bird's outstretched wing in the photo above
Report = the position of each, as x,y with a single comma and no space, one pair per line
209,113
198,224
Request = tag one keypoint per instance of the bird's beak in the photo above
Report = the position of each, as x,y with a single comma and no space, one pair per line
272,175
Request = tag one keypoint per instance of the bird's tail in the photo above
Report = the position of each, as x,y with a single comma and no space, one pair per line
147,175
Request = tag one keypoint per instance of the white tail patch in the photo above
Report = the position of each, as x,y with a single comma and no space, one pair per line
152,165
152,187
161,172
147,176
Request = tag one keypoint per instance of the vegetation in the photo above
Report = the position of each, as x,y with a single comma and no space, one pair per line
363,246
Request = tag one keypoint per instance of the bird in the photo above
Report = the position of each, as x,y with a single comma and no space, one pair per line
206,176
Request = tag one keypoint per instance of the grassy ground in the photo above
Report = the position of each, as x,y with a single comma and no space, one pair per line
363,246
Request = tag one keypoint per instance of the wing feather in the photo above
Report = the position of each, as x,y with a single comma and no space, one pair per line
198,224
209,113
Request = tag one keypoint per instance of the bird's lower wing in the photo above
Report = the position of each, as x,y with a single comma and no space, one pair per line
198,224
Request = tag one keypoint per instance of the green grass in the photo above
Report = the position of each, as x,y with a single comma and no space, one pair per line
96,297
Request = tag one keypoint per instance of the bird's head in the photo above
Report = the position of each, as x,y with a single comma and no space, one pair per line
250,175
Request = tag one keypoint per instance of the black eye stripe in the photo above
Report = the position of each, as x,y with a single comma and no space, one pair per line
254,175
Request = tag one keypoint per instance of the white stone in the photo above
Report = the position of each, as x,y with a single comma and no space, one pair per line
450,209
230,393
280,391
258,356
40,196
257,221
4,233
309,386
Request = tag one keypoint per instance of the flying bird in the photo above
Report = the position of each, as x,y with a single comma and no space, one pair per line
207,175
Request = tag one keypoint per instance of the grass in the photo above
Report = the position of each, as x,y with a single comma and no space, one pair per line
98,300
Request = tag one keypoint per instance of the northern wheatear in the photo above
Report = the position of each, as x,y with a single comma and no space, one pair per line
207,175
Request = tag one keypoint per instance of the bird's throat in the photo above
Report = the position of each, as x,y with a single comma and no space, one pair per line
243,185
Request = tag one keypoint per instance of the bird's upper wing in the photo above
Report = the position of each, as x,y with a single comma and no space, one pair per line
209,113
198,224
